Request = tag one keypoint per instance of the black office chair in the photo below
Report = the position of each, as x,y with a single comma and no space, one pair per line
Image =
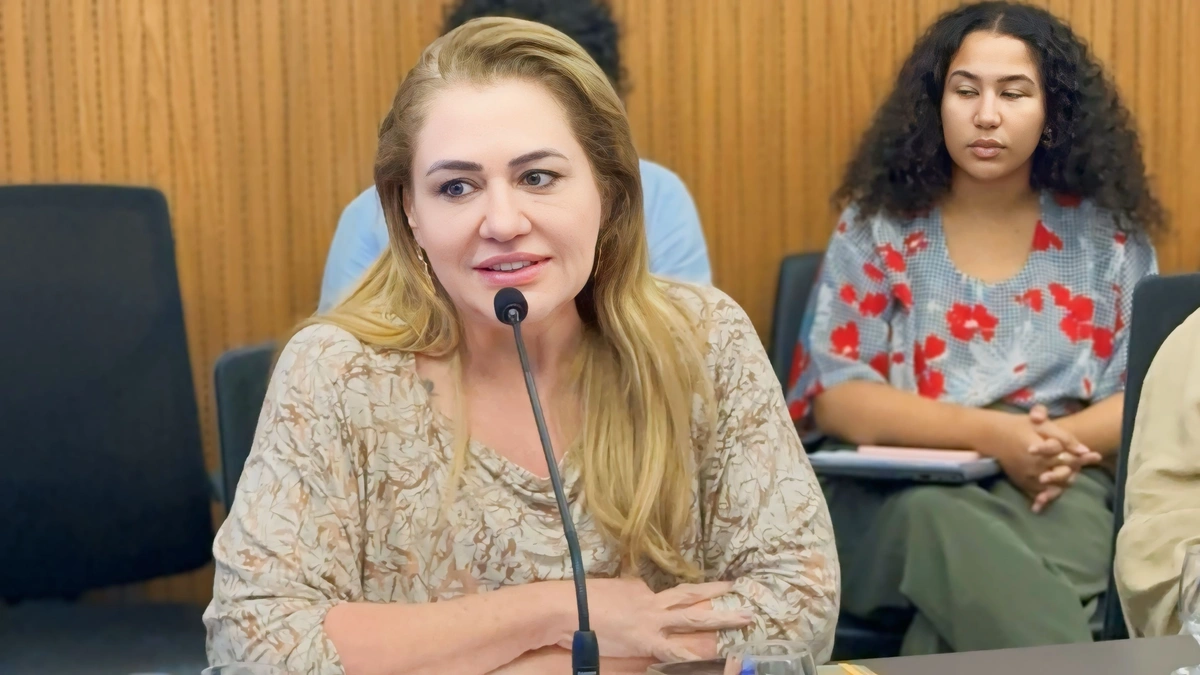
240,380
855,638
102,480
797,276
1160,304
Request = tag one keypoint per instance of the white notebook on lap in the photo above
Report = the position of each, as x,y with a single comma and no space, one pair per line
914,465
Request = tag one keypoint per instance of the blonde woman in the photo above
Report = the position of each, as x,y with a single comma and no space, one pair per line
395,514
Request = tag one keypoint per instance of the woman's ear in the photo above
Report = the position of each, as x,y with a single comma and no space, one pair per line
406,203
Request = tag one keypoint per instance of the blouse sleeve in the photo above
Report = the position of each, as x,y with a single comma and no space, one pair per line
766,524
289,550
1162,504
844,333
1137,262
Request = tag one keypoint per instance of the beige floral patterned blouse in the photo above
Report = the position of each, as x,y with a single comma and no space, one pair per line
339,502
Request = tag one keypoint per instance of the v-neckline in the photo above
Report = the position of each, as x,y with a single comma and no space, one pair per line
496,464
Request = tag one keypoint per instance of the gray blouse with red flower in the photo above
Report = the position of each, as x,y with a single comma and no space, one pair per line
891,307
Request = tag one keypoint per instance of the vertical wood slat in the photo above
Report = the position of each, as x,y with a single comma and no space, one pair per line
18,108
257,118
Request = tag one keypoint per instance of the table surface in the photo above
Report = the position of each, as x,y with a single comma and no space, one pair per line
1146,656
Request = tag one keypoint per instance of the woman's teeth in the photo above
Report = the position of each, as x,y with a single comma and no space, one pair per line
508,267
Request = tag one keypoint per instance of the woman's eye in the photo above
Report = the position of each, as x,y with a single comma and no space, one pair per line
538,178
456,188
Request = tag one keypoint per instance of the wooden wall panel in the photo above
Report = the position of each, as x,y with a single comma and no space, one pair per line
257,118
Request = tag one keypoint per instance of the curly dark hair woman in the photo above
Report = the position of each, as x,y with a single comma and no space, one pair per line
1090,147
976,295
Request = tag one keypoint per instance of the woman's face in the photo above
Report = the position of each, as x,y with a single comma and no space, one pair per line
993,109
504,195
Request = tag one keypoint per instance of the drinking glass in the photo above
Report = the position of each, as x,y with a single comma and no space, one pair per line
1189,600
770,657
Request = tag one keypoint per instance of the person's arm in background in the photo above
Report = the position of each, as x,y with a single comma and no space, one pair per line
1098,426
676,240
360,237
766,526
1162,493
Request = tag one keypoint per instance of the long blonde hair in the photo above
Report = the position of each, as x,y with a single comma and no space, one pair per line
641,368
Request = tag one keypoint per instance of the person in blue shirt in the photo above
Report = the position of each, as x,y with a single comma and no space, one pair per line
676,240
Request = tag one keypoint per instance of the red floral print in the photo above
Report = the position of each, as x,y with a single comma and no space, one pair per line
848,294
967,321
892,258
873,273
915,242
800,361
1066,200
1045,239
1076,324
1102,343
1022,395
844,340
930,383
798,409
880,363
1033,298
873,304
903,295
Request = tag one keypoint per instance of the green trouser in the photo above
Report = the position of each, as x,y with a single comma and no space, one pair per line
971,566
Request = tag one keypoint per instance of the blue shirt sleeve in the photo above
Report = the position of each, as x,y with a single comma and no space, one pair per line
360,238
676,240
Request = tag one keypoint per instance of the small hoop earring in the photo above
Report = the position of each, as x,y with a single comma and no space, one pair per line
425,264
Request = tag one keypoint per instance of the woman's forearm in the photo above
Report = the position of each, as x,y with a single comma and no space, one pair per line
1097,426
471,635
869,413
556,660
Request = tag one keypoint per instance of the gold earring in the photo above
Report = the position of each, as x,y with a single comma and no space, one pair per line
425,264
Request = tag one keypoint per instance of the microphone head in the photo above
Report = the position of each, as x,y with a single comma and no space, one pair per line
509,299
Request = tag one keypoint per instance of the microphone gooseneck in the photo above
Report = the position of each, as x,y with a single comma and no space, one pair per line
512,308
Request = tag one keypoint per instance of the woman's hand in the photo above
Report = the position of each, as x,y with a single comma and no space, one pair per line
1010,439
1062,451
631,620
1037,455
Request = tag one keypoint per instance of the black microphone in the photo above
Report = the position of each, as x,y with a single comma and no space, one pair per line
511,308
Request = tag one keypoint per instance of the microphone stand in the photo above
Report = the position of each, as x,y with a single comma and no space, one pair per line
585,651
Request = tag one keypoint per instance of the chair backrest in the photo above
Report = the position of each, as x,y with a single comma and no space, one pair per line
797,275
240,380
102,477
1160,305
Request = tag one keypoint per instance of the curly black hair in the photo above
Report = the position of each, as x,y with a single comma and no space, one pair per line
902,167
588,22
